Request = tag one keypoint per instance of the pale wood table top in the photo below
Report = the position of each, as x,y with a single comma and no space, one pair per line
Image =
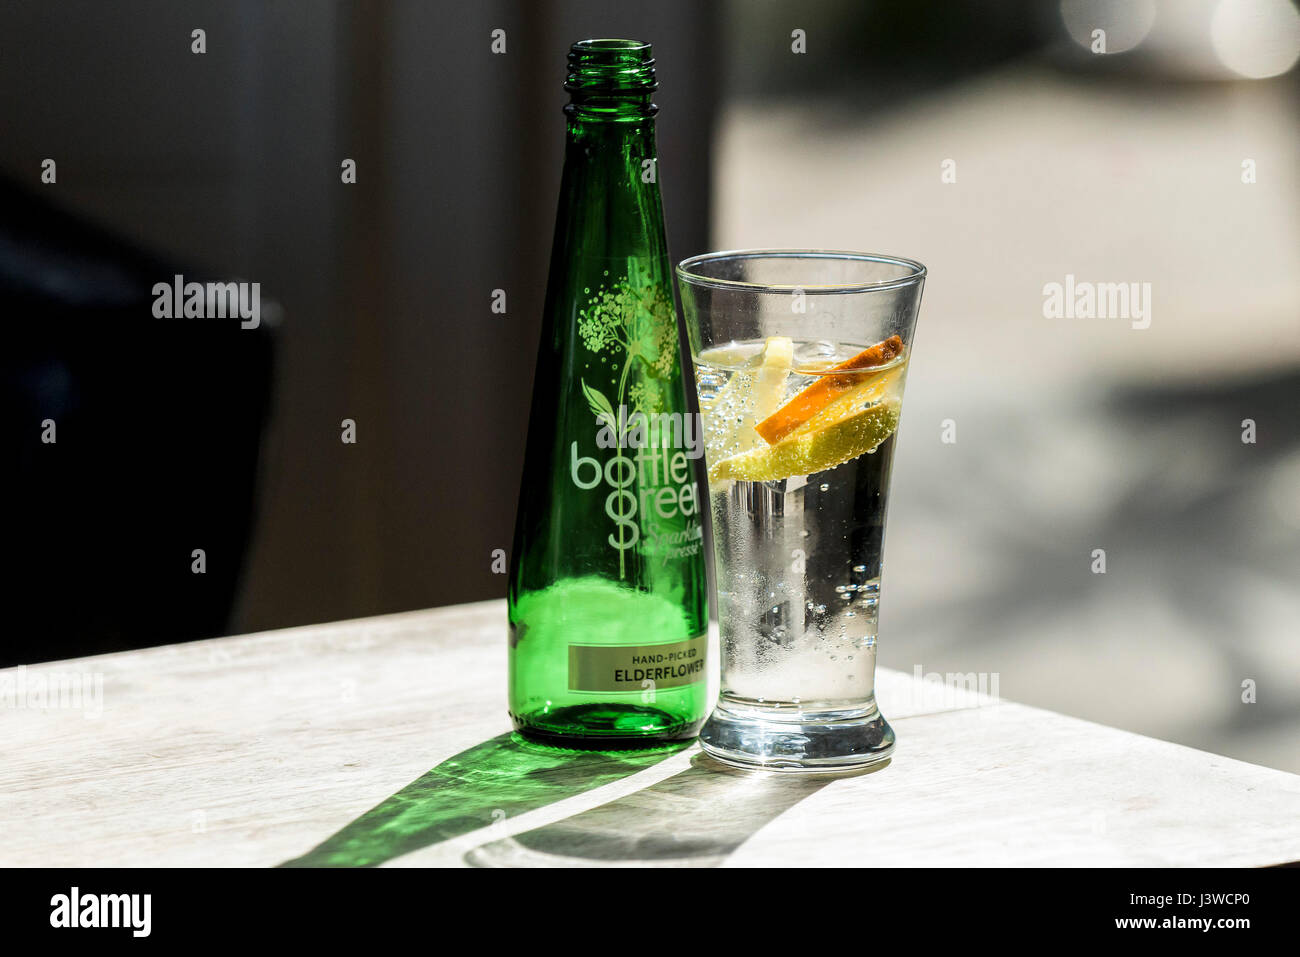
384,741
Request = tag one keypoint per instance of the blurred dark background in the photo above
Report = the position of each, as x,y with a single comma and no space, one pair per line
1127,165
175,435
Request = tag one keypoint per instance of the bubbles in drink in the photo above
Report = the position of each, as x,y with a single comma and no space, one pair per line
789,632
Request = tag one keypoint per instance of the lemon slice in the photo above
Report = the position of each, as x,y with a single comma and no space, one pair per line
853,425
750,395
769,390
726,414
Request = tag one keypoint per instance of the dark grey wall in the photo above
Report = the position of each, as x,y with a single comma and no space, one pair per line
230,160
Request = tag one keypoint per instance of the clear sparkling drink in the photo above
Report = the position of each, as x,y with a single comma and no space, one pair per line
799,554
801,357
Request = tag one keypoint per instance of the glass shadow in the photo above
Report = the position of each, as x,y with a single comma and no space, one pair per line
695,818
500,778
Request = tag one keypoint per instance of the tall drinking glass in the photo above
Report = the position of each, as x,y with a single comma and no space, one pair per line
800,361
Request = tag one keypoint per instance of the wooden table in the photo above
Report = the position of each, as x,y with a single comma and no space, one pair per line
384,741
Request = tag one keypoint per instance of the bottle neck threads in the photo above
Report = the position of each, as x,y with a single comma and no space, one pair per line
612,79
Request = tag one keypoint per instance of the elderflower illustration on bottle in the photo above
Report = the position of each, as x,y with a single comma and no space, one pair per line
607,598
635,319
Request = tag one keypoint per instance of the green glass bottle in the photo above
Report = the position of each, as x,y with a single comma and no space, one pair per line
608,608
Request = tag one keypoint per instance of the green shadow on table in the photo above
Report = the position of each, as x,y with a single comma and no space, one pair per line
695,818
498,779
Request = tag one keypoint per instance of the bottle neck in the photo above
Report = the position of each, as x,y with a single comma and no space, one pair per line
609,201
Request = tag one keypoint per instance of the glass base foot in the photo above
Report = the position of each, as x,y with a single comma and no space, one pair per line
824,741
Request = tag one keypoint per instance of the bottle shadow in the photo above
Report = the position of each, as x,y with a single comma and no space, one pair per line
695,818
503,777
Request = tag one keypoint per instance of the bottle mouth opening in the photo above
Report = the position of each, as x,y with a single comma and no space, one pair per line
611,66
612,46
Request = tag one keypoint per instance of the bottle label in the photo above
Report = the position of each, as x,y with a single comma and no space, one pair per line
650,497
637,668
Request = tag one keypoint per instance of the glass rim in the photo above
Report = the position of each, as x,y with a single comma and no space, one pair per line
686,271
